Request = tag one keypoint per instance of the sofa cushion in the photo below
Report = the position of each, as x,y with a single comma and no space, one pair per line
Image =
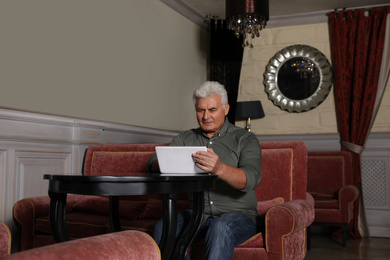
100,205
321,193
78,224
255,241
326,204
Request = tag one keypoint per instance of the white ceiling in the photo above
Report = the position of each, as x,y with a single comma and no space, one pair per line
216,8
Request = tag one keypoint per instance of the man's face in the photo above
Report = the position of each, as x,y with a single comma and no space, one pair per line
211,114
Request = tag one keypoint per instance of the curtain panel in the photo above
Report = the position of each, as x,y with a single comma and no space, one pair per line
226,54
357,42
384,73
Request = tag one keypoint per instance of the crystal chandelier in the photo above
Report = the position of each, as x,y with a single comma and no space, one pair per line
247,18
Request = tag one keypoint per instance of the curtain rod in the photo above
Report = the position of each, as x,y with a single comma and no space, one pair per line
367,7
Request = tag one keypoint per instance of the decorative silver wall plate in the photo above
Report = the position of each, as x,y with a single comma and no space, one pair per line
298,78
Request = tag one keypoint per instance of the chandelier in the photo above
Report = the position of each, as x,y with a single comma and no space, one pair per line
247,18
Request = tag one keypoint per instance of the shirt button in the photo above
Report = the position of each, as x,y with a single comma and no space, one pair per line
211,202
211,142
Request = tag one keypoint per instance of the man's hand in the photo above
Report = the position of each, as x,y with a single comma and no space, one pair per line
209,161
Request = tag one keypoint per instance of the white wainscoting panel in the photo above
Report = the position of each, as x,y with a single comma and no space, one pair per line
32,145
30,168
3,183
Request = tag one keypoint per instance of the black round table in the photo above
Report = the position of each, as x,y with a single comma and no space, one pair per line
136,184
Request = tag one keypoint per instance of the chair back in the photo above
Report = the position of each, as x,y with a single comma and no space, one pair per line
283,171
328,172
117,159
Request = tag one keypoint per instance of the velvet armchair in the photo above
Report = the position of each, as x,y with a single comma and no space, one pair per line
126,245
5,240
283,203
330,182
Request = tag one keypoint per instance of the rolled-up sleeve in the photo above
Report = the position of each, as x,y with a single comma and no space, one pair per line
250,162
177,141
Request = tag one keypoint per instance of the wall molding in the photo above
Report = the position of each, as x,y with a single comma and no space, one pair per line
198,18
33,144
66,130
187,11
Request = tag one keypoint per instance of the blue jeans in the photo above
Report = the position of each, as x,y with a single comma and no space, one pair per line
221,234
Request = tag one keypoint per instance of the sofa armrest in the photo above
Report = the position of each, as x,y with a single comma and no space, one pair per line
347,196
310,199
5,240
27,210
131,245
288,219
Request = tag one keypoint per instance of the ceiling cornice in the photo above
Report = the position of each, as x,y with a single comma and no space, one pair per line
275,21
297,19
187,11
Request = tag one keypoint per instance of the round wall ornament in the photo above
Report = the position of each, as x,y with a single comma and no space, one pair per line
298,78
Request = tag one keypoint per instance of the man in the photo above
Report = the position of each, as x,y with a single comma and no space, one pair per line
234,155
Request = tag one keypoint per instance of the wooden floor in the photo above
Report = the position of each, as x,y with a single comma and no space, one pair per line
323,247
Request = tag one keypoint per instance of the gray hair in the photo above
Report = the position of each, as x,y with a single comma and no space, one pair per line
210,88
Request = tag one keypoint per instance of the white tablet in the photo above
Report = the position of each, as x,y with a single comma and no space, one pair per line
178,159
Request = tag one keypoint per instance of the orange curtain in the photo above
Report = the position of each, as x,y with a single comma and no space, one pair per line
357,41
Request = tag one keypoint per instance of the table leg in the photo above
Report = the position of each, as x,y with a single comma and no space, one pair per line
168,238
192,228
57,216
114,214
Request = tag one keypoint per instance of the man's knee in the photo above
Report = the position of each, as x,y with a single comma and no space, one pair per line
157,232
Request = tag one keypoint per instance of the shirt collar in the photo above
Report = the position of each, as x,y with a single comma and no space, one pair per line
221,132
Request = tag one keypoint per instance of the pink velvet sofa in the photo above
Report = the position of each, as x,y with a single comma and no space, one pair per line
89,215
287,209
5,239
126,245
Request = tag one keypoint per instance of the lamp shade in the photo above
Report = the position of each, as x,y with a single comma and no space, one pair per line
249,109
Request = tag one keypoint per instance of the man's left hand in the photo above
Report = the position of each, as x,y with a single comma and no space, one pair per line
207,161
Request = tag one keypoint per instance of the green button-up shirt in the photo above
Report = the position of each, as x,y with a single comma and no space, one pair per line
238,148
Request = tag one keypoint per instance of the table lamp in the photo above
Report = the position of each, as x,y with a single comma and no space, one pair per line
247,110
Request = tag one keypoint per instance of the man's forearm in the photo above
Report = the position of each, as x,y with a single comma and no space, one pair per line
235,177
